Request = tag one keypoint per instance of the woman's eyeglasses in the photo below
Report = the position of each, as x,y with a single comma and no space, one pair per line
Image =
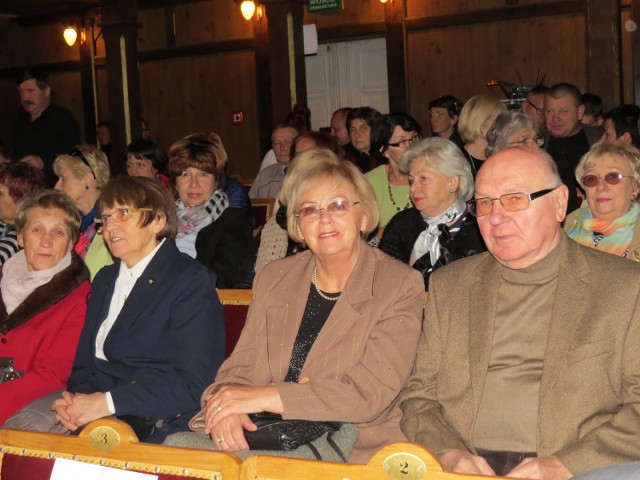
612,178
336,208
118,216
78,154
406,142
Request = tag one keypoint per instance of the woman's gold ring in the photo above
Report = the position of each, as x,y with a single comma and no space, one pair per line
218,408
221,440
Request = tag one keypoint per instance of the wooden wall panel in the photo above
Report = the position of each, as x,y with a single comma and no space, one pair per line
424,8
627,59
194,94
460,60
355,12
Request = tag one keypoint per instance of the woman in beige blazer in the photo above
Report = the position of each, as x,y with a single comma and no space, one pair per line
331,333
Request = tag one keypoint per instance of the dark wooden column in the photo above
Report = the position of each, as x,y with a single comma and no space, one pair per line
635,48
120,33
87,79
280,68
396,37
604,61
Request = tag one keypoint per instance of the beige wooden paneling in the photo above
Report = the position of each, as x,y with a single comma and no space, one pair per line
355,12
199,93
424,8
460,60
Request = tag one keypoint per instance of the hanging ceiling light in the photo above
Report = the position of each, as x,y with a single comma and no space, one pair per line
70,35
383,1
248,8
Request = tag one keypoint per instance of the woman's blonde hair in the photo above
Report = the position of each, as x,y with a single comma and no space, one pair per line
475,113
97,161
628,153
312,167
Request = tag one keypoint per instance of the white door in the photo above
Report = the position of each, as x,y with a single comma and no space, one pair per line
346,74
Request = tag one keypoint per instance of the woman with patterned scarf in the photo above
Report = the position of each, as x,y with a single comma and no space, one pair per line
608,219
438,229
209,230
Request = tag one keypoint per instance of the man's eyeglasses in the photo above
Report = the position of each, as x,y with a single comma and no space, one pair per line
406,142
529,142
539,110
336,208
511,202
78,154
120,215
612,178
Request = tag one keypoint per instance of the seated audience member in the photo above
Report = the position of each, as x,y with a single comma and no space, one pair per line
154,332
527,364
103,134
345,308
145,132
82,175
359,122
340,133
592,110
146,159
275,242
511,129
209,229
390,137
43,294
621,125
444,112
533,106
298,118
439,229
608,218
17,180
269,180
476,118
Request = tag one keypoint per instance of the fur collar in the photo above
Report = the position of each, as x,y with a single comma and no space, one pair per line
46,295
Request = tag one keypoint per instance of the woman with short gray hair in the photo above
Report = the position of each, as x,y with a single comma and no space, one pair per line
512,129
438,229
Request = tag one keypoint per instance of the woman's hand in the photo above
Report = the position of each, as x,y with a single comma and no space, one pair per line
73,411
228,434
230,399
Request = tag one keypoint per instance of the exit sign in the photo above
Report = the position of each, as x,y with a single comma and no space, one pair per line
319,6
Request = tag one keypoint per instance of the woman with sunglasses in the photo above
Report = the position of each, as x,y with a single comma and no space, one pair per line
153,338
82,175
331,332
439,229
608,218
390,137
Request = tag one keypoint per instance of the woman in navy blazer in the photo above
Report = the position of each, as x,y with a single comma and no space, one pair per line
150,360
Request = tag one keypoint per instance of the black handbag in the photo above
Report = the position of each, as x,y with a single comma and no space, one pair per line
8,371
274,433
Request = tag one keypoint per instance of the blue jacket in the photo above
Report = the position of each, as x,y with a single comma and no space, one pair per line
166,345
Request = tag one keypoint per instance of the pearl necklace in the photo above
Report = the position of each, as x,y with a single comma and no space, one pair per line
315,284
393,200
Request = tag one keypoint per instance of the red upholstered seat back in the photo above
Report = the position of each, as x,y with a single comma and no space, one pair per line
234,317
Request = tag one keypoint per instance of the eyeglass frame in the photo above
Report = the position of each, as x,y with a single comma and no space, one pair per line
538,139
319,214
617,175
77,153
416,138
101,221
473,203
539,110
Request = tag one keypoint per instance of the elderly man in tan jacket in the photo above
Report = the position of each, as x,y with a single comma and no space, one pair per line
528,364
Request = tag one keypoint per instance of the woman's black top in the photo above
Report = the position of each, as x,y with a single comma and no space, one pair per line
403,230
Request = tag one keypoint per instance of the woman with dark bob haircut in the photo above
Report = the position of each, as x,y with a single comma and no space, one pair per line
17,180
209,228
154,332
332,332
146,159
390,137
43,298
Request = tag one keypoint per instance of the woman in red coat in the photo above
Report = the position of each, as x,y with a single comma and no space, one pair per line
43,294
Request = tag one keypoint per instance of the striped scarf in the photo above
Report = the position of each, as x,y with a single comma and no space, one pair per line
615,235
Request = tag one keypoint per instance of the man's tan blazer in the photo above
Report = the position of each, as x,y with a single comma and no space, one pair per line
589,404
360,360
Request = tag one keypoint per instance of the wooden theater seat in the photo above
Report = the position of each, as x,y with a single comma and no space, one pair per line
236,305
398,461
262,210
110,443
